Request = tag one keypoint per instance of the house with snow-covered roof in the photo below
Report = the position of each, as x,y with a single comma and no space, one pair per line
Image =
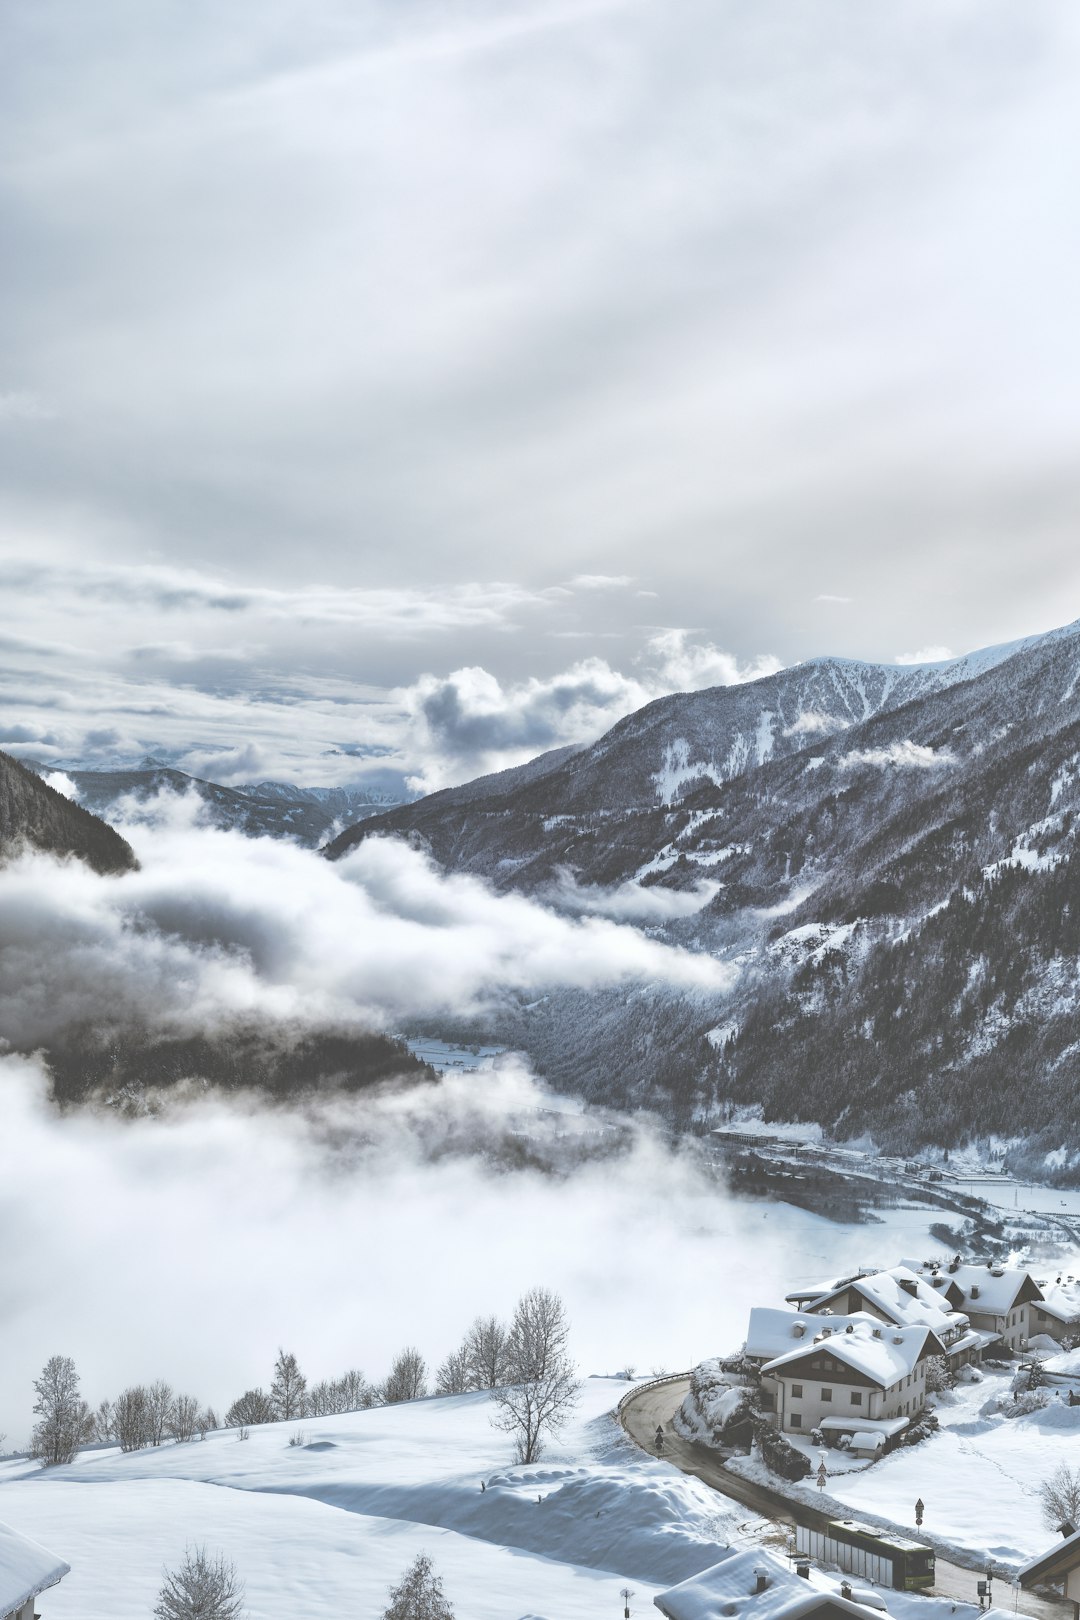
901,1298
754,1585
854,1377
998,1300
1057,1314
26,1570
1058,1567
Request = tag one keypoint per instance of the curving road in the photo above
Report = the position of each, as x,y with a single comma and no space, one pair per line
657,1404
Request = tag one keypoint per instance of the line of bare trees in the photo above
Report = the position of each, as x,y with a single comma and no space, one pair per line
525,1363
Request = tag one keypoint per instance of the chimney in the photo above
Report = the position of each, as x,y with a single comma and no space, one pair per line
910,1286
1067,1529
761,1580
845,1590
802,1569
974,1290
850,1328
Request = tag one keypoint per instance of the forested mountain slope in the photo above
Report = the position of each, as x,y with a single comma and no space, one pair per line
262,809
897,893
32,813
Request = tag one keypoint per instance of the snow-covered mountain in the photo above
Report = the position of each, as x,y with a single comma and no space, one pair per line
260,809
886,855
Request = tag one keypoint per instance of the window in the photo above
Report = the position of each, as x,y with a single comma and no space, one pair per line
796,1420
826,1394
856,1397
796,1391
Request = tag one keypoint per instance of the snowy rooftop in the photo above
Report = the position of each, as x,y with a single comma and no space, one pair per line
1062,1557
26,1568
773,1331
886,1290
985,1288
878,1350
731,1588
1061,1297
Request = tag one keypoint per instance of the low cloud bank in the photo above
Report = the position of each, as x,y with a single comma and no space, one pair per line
628,901
191,1245
906,755
215,927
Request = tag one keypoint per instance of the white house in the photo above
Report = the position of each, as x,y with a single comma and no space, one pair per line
997,1300
903,1299
1057,1314
846,1375
26,1570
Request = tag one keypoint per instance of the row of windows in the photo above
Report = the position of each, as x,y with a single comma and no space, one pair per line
826,1395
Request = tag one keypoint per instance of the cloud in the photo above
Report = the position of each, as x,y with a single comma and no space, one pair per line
683,665
601,582
629,901
469,722
811,724
216,928
345,1229
906,755
926,655
63,784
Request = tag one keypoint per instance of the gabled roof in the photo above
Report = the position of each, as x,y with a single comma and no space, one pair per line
26,1568
1061,1299
878,1351
1052,1565
772,1331
999,1288
906,1306
730,1588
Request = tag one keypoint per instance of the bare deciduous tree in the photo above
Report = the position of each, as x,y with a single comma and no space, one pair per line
542,1387
454,1377
103,1423
288,1392
183,1417
485,1346
131,1418
253,1406
349,1393
419,1594
203,1588
1059,1496
66,1421
159,1399
407,1380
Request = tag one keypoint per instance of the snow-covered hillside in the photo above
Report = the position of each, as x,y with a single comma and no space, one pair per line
883,855
323,1528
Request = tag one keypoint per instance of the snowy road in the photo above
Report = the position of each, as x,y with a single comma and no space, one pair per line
658,1403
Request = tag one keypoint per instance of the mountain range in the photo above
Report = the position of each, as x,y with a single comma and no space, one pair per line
885,856
261,809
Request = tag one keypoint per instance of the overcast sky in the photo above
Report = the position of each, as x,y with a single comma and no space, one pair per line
406,388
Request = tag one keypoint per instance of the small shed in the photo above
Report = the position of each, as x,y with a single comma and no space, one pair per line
26,1570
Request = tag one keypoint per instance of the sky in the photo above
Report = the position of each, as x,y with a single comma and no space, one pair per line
390,393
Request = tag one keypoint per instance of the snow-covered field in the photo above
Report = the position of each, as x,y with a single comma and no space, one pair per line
979,1476
323,1529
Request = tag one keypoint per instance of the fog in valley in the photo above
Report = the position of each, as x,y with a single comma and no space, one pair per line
190,1241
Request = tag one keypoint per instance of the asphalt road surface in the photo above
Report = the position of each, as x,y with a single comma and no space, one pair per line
651,1407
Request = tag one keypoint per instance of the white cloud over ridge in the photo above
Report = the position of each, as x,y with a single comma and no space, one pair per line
216,928
905,755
